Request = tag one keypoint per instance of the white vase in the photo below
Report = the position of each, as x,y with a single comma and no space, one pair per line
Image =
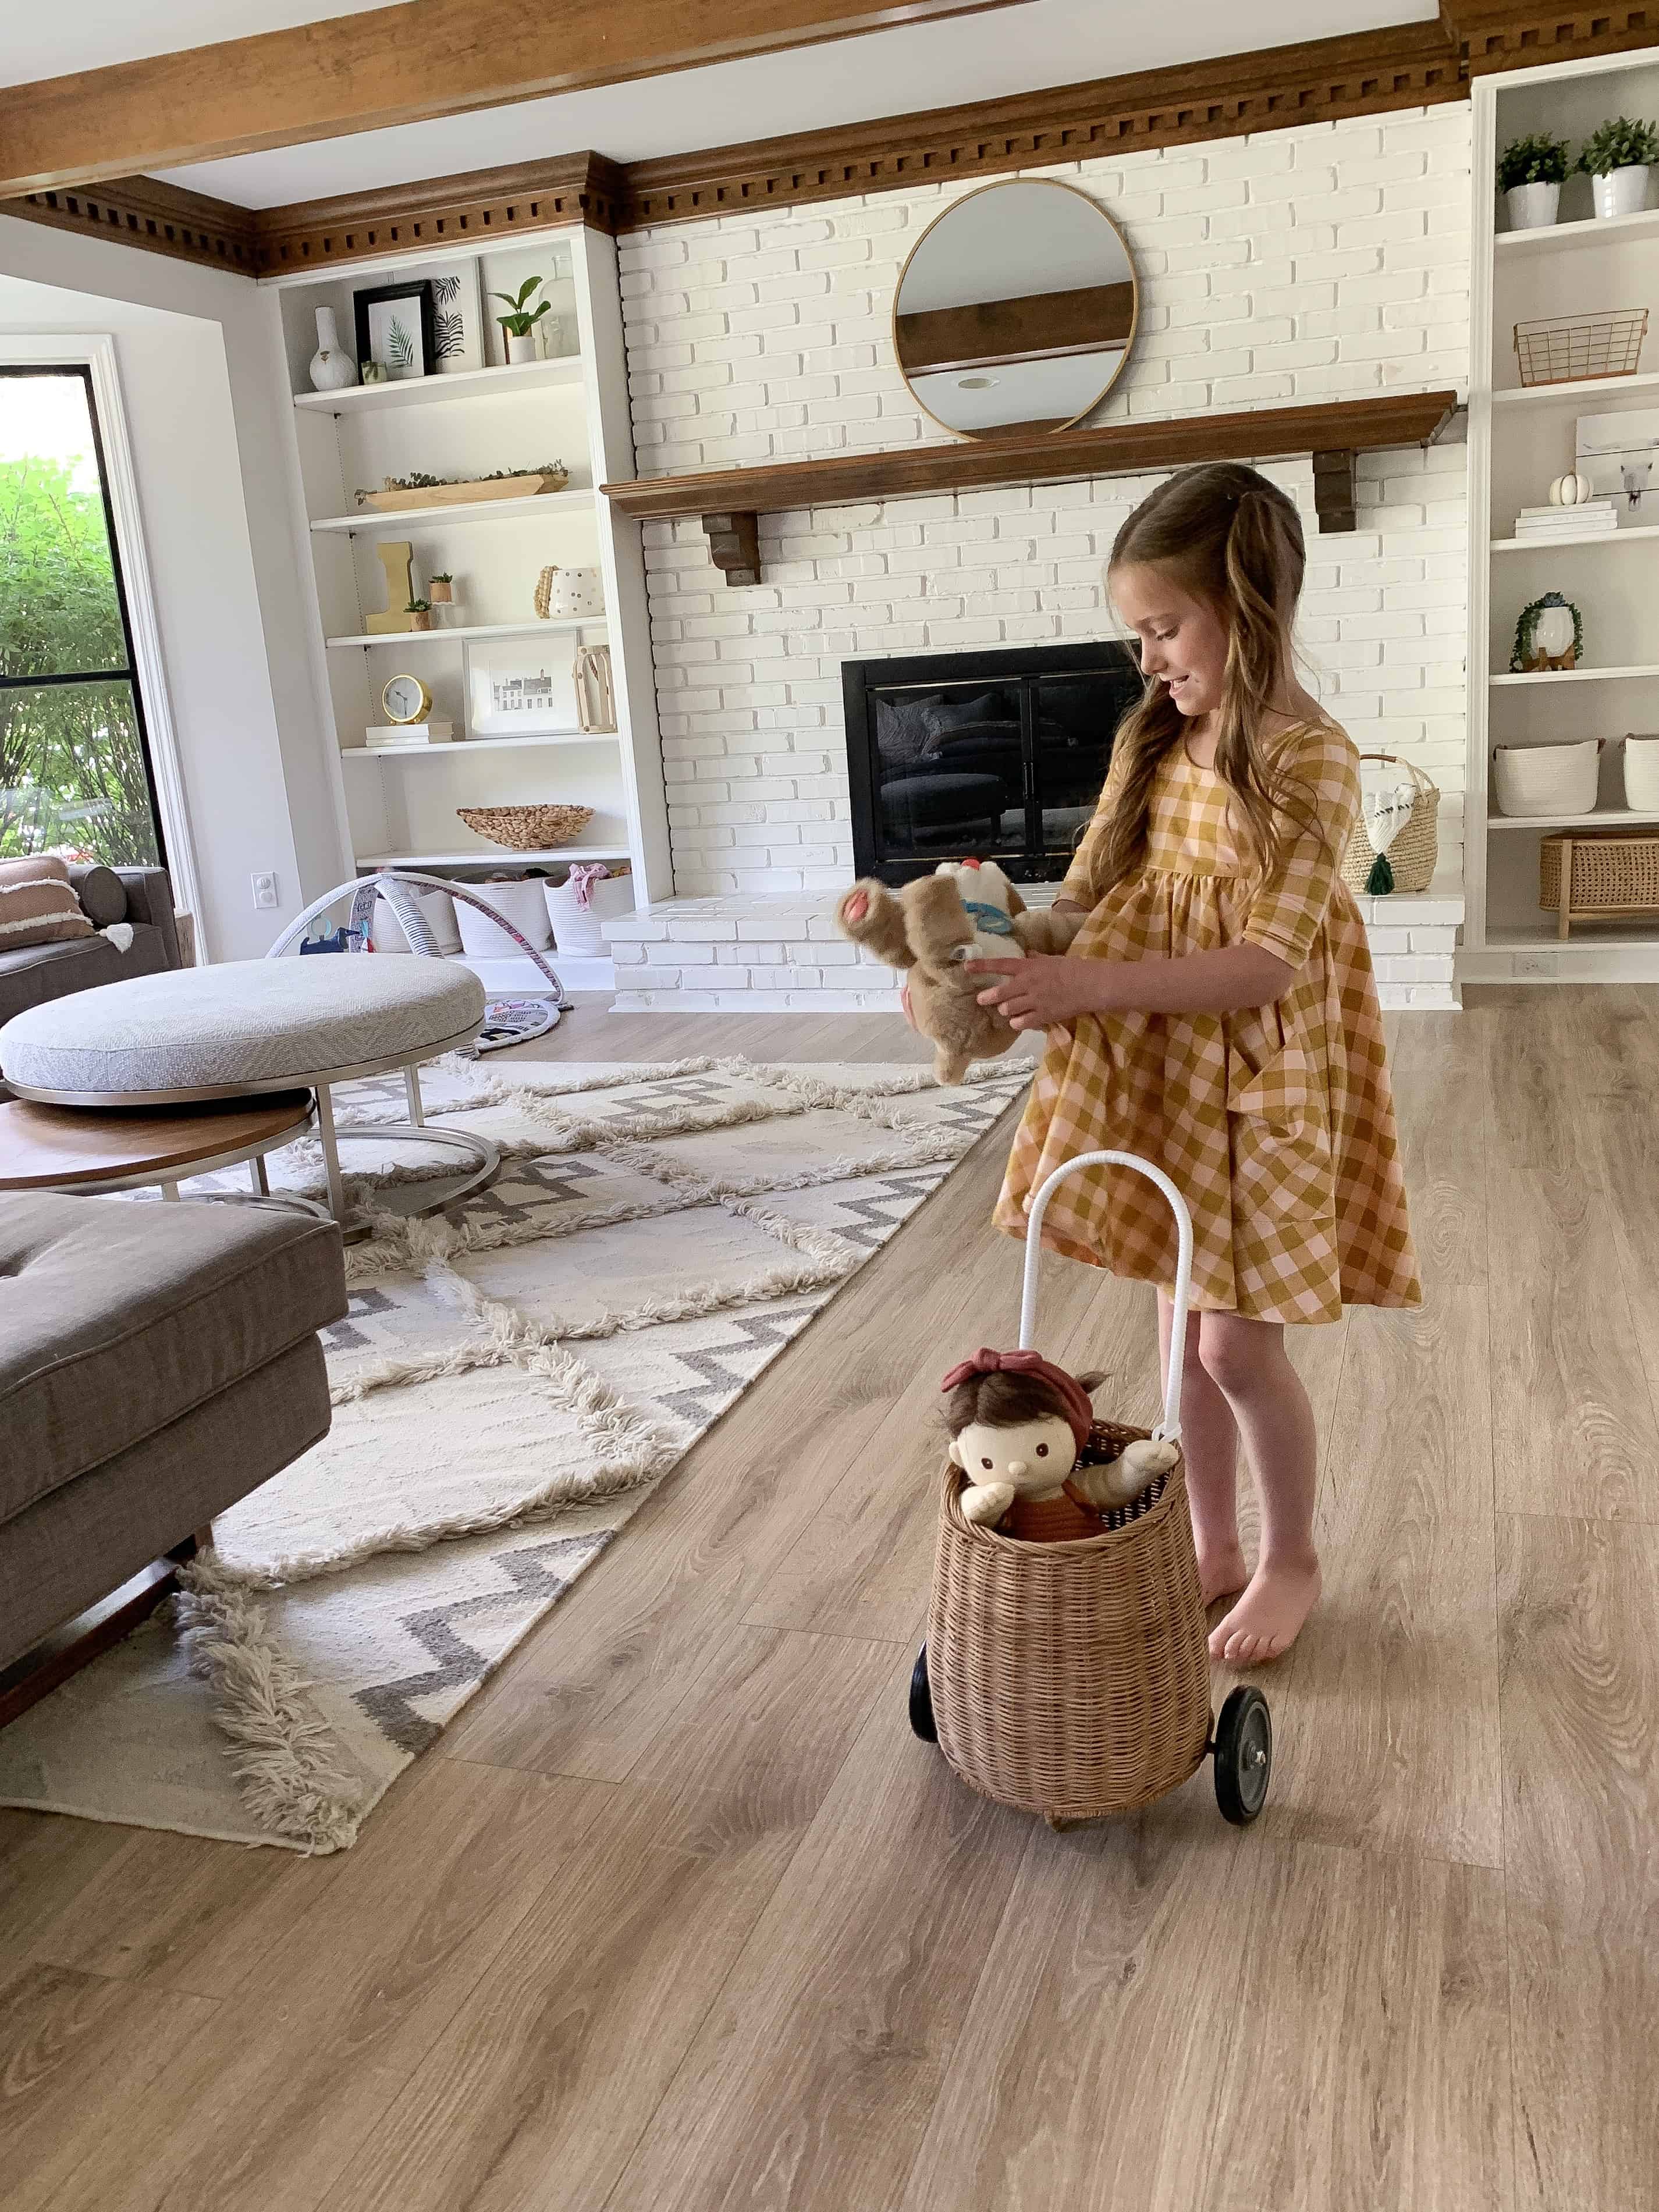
331,366
1621,192
1552,632
1531,207
521,348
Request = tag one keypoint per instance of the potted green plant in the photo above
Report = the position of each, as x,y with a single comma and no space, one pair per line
518,328
419,614
440,590
1530,174
1616,159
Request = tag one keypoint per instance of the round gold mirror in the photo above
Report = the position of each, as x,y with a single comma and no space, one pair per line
1016,310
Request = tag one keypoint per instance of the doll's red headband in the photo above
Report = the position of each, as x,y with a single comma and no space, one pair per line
1074,1399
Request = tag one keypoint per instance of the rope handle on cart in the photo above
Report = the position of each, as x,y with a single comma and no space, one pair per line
1169,1429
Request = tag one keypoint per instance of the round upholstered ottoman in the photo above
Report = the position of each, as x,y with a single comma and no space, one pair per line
255,1025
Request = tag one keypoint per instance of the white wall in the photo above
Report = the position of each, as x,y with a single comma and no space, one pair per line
198,364
1303,264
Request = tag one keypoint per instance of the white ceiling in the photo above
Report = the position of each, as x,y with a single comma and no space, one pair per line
938,65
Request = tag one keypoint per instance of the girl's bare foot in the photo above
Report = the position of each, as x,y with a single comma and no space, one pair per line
1268,1618
1221,1573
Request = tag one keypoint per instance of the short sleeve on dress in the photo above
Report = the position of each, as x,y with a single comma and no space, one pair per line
1287,913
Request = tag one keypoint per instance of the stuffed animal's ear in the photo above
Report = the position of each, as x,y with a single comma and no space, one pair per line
955,1454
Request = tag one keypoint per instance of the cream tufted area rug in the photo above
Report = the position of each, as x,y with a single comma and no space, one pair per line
511,1382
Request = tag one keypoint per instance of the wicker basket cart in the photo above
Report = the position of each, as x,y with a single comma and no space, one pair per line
1072,1680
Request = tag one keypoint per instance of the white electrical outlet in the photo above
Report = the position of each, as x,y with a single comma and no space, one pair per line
1535,963
264,889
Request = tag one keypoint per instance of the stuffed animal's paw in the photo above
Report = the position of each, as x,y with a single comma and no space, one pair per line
984,1504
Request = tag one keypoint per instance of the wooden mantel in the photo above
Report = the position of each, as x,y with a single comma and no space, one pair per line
730,501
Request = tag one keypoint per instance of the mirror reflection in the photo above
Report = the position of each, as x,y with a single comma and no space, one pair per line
1016,310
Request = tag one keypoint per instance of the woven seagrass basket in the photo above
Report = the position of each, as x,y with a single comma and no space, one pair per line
527,829
1598,877
1414,853
1071,1679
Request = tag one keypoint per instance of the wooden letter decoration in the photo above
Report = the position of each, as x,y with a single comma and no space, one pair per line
397,557
735,546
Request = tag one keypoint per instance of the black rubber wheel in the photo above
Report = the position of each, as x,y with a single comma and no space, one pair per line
1243,1756
921,1700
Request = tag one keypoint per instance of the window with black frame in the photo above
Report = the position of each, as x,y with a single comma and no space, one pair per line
75,770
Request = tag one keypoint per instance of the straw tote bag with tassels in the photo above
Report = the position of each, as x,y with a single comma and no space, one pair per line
1396,841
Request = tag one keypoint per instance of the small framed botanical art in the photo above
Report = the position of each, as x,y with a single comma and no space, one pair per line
457,318
396,326
516,692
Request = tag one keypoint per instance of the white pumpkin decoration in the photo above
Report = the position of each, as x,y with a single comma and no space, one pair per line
1570,490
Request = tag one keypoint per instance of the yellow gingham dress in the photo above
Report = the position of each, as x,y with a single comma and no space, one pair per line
1276,1122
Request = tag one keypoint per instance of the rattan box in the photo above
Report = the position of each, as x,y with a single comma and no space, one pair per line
1071,1679
1598,876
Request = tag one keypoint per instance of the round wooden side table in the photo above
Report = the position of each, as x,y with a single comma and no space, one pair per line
91,1149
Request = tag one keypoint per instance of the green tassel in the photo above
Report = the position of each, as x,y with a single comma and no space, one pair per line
1380,882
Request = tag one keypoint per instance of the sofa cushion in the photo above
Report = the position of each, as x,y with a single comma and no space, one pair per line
102,894
38,905
30,977
213,1031
118,1316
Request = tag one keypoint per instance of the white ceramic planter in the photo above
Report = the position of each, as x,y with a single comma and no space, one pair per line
521,348
1531,207
1642,774
331,366
1621,192
1546,779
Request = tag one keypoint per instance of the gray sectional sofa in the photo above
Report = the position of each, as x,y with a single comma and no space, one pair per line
143,896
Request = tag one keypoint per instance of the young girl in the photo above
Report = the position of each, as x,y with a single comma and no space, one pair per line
1216,1013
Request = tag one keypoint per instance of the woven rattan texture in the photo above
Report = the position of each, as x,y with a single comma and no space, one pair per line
1566,349
527,829
1414,853
1071,1679
1620,873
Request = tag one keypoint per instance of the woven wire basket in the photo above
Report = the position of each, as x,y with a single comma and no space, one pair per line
1597,877
527,829
1563,348
1071,1679
1415,852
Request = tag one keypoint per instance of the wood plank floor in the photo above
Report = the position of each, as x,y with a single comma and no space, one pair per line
680,1917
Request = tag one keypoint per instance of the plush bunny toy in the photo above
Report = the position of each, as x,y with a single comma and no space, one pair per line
1018,1425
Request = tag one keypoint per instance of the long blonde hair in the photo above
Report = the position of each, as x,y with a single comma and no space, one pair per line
1225,534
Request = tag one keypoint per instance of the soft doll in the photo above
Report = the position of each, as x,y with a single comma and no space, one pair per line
965,910
1018,1425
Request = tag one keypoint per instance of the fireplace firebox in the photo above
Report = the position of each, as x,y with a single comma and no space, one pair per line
997,755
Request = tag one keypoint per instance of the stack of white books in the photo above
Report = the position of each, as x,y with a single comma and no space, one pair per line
1588,519
401,737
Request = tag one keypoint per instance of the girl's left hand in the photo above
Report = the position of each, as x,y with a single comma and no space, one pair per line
1042,990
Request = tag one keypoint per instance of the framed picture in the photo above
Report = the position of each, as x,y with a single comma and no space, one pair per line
457,318
396,326
515,691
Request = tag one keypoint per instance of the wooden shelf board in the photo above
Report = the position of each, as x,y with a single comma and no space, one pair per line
466,510
1583,387
402,637
1606,817
487,857
1593,231
1588,537
1576,675
480,745
427,391
1364,425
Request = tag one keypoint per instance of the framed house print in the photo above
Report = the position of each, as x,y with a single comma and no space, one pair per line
515,691
397,327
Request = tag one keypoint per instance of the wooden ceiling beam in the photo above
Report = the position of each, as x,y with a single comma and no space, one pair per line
405,64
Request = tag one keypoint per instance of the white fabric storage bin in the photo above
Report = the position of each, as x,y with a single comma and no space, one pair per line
1547,779
386,931
579,930
1642,774
521,904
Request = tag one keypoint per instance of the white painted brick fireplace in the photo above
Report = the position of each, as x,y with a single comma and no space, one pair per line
1309,264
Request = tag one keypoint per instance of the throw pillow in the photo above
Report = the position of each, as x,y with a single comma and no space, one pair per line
38,905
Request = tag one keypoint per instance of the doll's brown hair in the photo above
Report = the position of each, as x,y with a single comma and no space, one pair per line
1223,534
1006,1400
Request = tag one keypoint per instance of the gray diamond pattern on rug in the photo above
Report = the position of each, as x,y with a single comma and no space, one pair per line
515,1373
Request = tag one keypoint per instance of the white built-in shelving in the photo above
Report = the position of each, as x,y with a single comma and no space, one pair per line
1519,440
569,409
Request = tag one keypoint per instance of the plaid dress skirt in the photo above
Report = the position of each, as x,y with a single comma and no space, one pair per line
1276,1123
